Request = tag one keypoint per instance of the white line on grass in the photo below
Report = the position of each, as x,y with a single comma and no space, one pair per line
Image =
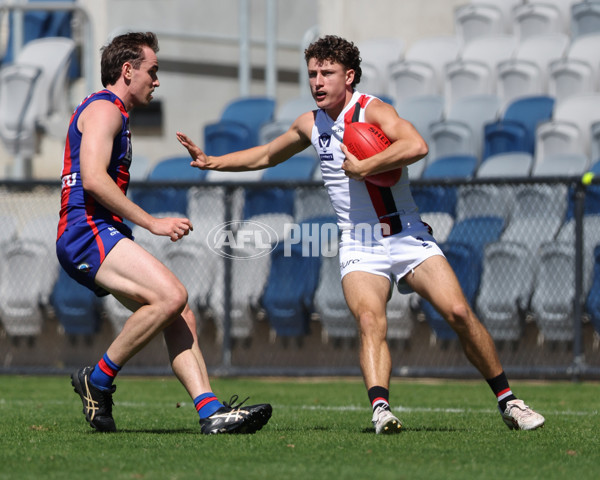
331,408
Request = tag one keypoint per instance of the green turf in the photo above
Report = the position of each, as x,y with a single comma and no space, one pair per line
320,429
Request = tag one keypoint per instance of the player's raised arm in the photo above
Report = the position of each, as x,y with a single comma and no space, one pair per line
293,141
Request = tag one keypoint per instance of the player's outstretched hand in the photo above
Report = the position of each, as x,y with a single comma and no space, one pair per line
175,228
199,158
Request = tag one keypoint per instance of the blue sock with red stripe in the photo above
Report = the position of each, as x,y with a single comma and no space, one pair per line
501,389
379,397
104,373
206,404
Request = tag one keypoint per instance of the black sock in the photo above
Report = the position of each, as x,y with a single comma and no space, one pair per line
499,386
379,397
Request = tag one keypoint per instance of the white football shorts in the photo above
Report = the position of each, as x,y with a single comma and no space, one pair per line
364,249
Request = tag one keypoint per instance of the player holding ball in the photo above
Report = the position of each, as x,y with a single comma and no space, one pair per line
401,249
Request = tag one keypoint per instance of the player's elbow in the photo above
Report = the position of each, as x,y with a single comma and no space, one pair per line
90,184
420,149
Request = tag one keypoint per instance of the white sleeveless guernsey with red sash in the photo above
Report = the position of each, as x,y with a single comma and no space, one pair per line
357,202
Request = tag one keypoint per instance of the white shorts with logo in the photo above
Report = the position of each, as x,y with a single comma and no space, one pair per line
366,250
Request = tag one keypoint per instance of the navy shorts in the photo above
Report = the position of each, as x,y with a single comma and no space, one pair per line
82,248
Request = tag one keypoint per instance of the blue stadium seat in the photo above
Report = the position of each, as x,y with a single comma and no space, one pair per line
453,166
261,200
40,24
515,131
476,232
299,167
290,290
504,136
462,259
435,198
253,112
76,307
226,136
168,199
592,304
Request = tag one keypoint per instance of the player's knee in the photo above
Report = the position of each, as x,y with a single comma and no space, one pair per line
174,301
369,324
459,316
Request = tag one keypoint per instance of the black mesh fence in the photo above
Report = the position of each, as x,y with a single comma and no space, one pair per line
262,275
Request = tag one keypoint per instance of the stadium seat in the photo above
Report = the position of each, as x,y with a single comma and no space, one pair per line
461,132
561,164
27,275
400,318
474,72
595,144
261,200
453,166
337,321
477,232
422,111
421,71
570,128
226,136
253,112
504,136
536,18
505,289
592,303
300,167
76,307
167,199
537,214
462,260
474,20
554,290
377,55
585,18
195,266
504,165
290,289
33,97
515,130
310,202
434,198
482,200
578,71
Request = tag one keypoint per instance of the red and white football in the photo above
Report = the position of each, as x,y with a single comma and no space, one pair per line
365,140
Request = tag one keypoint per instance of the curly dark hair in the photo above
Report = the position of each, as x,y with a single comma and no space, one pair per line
336,50
124,48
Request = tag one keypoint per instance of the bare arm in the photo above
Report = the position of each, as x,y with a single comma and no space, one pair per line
99,124
407,146
294,140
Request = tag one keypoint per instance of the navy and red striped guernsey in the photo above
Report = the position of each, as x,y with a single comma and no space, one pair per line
76,204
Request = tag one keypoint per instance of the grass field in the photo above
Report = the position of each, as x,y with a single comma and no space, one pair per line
320,429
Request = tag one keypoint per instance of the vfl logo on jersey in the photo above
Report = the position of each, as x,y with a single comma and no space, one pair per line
324,141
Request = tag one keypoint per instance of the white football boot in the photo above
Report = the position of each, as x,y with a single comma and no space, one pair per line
385,422
519,416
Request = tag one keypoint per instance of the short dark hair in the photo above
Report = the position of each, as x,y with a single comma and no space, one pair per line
337,50
124,48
